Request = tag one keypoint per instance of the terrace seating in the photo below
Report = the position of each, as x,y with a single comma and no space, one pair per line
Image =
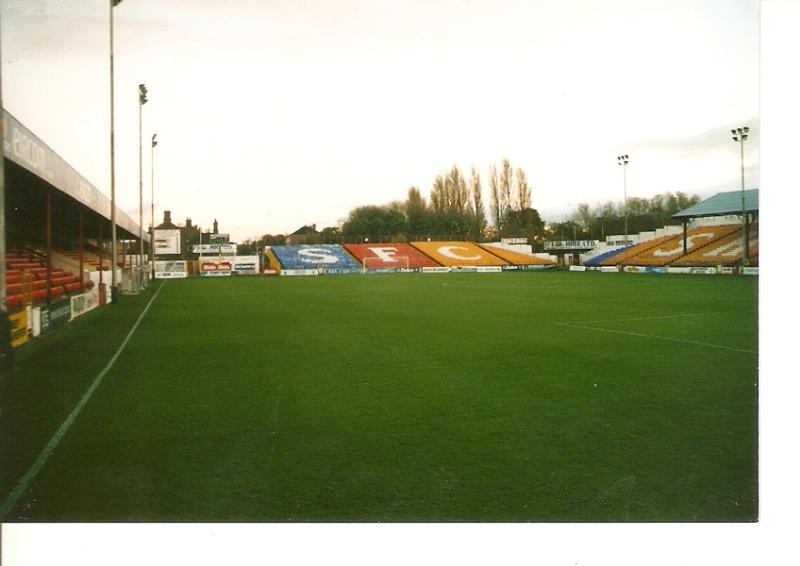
314,256
459,254
724,251
631,251
389,256
515,257
599,259
27,279
667,250
91,260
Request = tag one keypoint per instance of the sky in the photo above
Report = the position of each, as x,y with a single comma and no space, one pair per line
273,114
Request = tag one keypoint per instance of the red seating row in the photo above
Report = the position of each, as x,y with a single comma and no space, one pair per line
40,295
25,264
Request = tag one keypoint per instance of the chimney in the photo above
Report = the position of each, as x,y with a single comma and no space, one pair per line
188,222
167,217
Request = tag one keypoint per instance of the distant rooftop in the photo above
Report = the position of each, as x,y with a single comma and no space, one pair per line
722,204
305,231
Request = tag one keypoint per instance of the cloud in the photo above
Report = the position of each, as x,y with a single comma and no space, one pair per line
711,141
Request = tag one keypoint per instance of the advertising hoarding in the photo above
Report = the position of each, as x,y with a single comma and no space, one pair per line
175,269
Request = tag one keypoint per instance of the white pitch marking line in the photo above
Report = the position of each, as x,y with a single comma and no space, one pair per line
38,464
640,335
651,317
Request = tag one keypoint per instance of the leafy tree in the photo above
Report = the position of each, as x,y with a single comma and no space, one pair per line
418,216
329,235
375,221
643,214
525,223
274,240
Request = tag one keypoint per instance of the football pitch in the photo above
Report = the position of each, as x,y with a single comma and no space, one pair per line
544,396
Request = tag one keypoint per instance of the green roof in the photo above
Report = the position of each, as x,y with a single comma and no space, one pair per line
722,204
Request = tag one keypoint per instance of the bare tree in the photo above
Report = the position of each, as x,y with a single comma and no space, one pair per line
495,202
478,210
506,184
523,190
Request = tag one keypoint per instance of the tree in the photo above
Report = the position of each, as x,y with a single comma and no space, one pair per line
450,202
418,217
506,184
329,235
248,247
523,190
495,202
478,211
274,240
643,214
525,223
375,221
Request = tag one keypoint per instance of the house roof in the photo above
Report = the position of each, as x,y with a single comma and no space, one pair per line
304,231
722,204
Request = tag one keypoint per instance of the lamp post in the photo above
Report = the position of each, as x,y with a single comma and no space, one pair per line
153,144
142,102
623,160
114,289
739,135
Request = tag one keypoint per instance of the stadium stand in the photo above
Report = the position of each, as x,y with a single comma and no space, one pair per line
389,256
605,256
671,249
27,279
624,256
91,257
517,258
459,254
724,251
329,258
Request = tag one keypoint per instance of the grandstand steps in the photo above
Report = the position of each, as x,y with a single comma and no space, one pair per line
28,280
632,251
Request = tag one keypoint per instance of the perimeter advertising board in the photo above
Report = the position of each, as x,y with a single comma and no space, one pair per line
85,302
55,315
19,328
215,268
245,264
204,249
171,269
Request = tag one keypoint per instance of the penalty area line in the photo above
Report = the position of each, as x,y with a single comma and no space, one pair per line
657,337
38,464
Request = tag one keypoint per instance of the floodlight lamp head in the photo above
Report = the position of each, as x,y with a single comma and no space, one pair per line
746,129
733,132
153,141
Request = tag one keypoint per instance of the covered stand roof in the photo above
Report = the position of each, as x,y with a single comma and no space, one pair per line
722,204
25,150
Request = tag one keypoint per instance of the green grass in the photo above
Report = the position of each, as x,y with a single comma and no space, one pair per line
459,397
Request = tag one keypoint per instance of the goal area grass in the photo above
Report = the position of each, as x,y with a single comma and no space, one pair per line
502,397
